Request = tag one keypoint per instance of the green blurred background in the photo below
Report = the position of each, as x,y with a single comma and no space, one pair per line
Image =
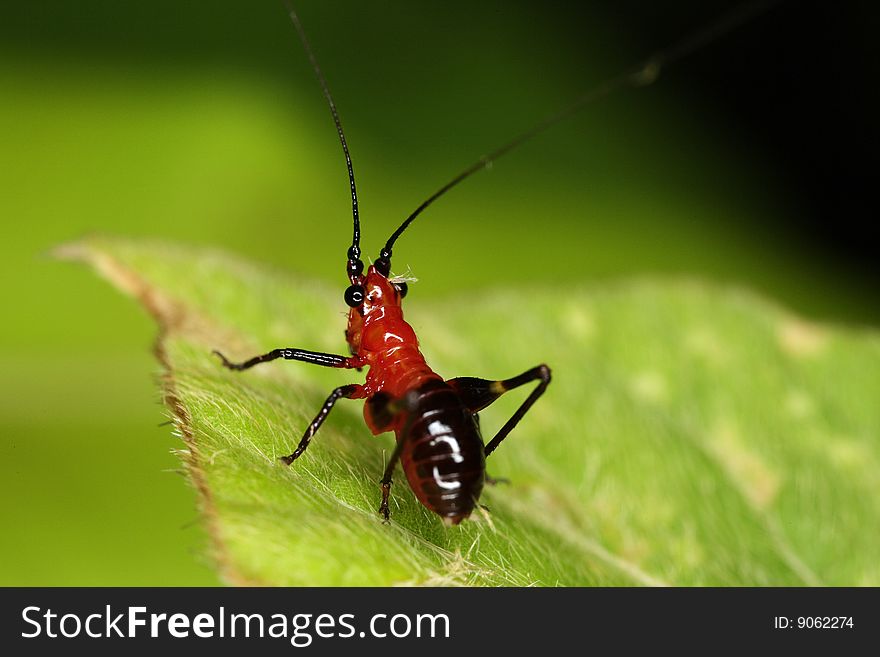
202,122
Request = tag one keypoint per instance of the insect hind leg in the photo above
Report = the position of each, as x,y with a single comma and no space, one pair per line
487,478
477,394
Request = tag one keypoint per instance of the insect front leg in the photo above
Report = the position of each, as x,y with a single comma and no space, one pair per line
477,394
351,391
313,357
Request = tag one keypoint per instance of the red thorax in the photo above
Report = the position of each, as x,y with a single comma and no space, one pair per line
383,341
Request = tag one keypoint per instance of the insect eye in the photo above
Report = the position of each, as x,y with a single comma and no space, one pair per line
354,296
402,288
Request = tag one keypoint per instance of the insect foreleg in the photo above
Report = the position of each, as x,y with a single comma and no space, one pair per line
477,394
351,391
313,357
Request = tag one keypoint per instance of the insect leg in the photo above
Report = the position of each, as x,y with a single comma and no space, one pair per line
489,479
477,394
351,391
313,357
393,407
386,480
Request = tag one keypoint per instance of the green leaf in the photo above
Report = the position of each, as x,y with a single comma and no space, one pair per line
692,435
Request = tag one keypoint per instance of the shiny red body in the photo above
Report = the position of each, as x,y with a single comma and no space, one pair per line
382,340
441,447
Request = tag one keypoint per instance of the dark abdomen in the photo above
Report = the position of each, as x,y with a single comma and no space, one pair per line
442,453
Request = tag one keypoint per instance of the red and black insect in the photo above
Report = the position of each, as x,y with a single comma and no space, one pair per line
435,420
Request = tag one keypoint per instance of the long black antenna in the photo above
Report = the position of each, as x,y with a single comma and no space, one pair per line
355,266
642,75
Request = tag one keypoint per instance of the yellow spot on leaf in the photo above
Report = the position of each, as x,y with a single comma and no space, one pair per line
849,454
798,404
649,387
706,344
578,323
756,479
800,338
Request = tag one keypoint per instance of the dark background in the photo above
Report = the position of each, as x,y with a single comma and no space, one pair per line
794,85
